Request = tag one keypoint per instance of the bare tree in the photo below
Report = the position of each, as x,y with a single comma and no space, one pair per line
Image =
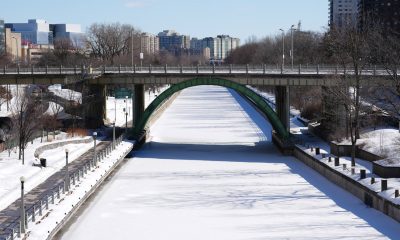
350,48
108,41
26,120
5,95
386,47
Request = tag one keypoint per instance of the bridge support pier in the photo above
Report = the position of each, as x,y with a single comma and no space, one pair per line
282,100
95,103
139,105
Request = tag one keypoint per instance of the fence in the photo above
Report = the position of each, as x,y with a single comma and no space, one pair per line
315,69
32,212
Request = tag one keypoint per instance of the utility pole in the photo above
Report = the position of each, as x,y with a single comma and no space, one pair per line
132,48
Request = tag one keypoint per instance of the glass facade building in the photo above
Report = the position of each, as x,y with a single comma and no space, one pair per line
2,38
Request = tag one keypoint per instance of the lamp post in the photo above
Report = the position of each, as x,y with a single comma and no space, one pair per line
283,49
16,45
113,142
132,48
126,121
94,148
66,171
292,50
115,107
141,55
126,103
22,179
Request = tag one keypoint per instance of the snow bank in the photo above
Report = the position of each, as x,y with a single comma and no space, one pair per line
65,93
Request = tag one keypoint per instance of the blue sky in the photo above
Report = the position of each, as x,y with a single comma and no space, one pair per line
197,18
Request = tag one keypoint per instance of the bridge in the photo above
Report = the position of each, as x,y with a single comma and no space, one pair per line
181,77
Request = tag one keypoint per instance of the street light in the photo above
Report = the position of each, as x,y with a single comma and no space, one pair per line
16,44
66,171
115,107
126,103
94,148
126,121
292,28
283,48
113,142
22,224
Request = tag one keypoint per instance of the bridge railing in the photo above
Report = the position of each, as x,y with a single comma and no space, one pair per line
315,69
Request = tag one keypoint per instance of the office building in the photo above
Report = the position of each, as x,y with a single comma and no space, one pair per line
343,13
32,53
71,32
2,38
36,31
384,12
13,45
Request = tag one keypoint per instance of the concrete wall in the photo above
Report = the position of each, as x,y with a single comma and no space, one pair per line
41,149
345,150
386,171
365,194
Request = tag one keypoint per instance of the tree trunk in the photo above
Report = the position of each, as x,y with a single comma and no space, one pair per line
353,154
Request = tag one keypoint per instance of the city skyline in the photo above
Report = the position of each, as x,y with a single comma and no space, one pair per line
192,19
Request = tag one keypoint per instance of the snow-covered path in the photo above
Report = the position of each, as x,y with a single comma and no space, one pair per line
210,172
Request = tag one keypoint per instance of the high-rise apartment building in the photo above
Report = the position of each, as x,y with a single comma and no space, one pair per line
218,48
149,43
173,42
384,12
36,31
343,13
2,38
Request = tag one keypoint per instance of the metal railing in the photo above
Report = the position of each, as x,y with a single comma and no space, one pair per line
32,212
319,69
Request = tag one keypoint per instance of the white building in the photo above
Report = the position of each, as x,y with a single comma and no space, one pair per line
343,13
150,44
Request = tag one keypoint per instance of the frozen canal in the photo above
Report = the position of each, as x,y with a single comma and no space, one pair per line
211,173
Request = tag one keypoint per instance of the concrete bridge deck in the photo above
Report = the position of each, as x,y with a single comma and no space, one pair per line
251,75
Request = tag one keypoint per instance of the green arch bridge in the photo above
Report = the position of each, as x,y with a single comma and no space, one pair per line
278,120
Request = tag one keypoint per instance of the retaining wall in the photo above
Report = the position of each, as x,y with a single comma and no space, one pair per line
368,196
51,146
345,150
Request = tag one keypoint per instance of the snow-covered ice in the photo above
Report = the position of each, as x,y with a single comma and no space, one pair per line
211,172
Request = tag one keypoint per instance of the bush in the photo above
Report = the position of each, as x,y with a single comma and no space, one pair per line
77,132
311,111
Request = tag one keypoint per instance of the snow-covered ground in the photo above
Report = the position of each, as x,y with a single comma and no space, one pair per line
57,212
383,142
211,172
11,169
14,90
65,93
